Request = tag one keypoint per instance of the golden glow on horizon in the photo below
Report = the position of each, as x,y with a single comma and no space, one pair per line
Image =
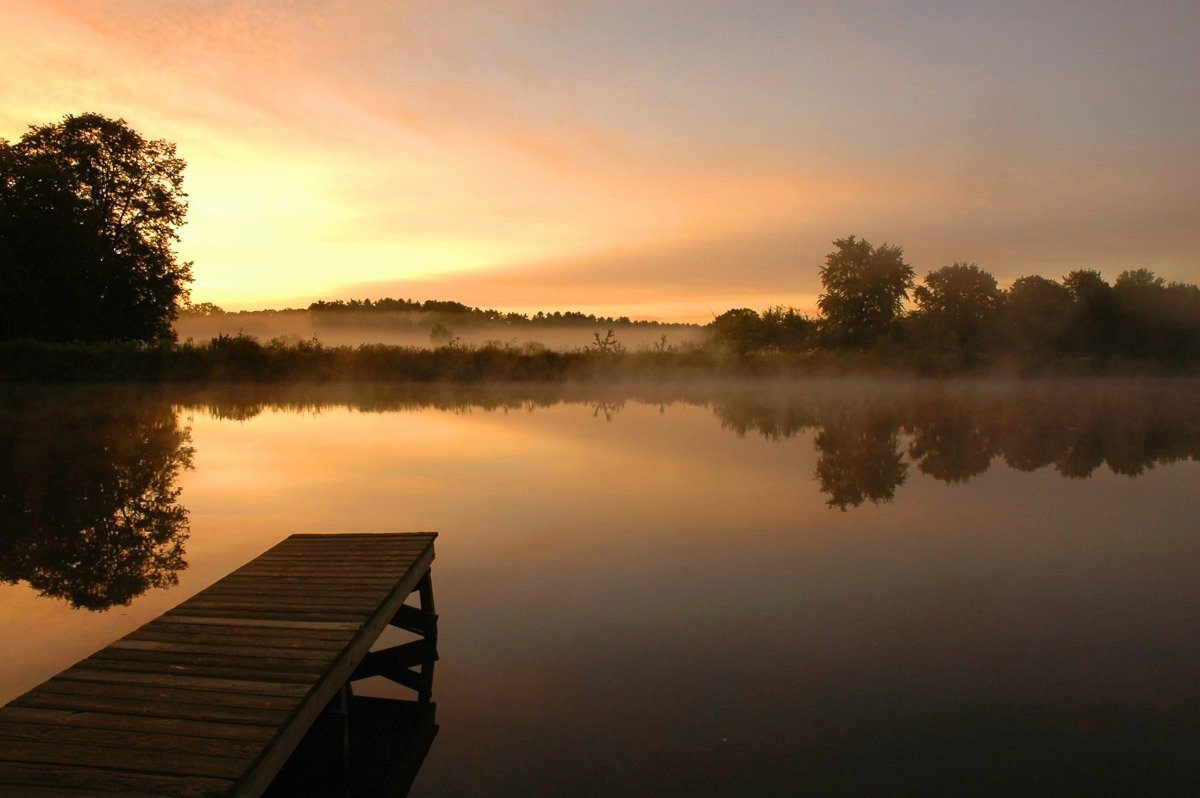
366,150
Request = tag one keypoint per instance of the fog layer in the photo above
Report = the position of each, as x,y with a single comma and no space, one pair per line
421,330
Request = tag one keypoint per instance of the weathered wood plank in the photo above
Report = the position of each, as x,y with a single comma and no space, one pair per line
355,606
110,781
265,614
263,660
172,695
149,726
59,752
245,649
312,585
324,568
263,592
155,709
336,556
164,634
205,669
261,622
123,738
36,791
241,686
338,636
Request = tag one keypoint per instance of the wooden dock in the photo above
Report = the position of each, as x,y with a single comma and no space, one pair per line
212,697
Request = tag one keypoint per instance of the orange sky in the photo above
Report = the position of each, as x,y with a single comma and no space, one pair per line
667,159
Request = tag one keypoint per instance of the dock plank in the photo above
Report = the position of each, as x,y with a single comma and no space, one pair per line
106,738
211,697
243,686
131,724
15,774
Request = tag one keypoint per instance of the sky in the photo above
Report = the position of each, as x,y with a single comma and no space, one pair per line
655,159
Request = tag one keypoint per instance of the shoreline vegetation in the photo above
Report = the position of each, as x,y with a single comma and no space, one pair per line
241,358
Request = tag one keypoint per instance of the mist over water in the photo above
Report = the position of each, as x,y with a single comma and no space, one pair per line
413,329
839,586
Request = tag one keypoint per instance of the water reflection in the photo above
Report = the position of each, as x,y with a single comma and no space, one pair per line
860,459
671,546
954,436
89,508
867,434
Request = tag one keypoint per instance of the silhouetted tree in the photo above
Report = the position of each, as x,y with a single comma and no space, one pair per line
741,330
957,308
779,329
201,309
1156,319
787,329
89,508
1094,322
88,217
1037,315
864,291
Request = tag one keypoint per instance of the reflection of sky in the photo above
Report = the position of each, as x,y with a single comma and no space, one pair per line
652,158
646,588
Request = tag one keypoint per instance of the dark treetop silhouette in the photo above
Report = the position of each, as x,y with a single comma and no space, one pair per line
88,217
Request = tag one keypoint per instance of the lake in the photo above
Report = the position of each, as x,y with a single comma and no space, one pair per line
838,586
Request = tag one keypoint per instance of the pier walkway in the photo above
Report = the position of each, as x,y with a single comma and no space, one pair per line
212,697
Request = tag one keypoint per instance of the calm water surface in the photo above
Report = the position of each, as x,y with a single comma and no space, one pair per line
839,587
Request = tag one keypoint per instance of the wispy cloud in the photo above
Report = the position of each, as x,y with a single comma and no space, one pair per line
662,157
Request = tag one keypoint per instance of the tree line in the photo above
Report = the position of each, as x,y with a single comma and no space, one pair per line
89,218
454,312
871,303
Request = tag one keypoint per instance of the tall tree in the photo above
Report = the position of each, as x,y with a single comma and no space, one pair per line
89,211
1037,315
957,307
1094,315
864,291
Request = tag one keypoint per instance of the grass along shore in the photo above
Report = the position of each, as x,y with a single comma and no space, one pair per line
245,359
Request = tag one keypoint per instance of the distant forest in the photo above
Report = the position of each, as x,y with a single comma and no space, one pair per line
431,311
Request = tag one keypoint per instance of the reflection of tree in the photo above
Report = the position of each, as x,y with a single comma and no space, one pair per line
1076,427
774,420
957,428
860,458
1030,440
89,509
950,442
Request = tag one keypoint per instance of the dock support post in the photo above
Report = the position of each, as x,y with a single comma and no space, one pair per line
409,664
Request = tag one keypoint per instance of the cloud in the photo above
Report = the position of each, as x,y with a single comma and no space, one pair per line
660,157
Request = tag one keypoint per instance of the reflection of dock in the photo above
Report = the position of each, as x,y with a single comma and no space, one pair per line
212,697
